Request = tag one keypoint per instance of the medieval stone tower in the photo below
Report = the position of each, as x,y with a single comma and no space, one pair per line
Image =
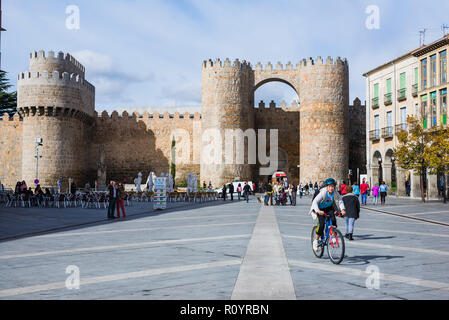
323,90
227,103
57,104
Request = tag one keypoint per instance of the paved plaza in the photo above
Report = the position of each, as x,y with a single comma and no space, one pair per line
222,251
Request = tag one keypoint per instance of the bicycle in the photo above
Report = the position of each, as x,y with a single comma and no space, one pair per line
333,240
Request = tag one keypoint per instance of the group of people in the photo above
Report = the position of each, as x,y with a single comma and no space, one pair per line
22,188
245,190
364,190
280,191
116,198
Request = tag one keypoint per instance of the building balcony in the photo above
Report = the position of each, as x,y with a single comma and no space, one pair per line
375,103
415,90
374,135
387,132
387,99
400,127
402,94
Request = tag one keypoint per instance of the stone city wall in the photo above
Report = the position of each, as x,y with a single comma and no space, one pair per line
11,150
134,144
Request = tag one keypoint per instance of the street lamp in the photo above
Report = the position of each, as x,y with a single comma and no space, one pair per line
38,143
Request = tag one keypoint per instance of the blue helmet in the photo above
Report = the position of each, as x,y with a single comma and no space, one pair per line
331,181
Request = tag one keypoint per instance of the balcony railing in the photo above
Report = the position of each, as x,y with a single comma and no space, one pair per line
402,94
374,135
415,90
400,127
387,99
387,132
375,103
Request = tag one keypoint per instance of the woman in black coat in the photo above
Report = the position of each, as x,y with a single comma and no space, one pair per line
352,205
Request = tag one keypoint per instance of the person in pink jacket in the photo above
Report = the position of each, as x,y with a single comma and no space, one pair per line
375,191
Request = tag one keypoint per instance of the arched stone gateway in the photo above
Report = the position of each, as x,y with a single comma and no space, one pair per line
323,91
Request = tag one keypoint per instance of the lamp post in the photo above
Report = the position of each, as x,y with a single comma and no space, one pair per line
38,156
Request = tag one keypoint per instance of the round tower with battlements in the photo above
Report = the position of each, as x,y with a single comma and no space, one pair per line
324,101
57,104
227,104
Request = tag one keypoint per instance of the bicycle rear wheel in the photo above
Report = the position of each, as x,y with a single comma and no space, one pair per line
336,250
319,253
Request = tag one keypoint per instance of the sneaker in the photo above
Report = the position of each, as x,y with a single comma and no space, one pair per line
315,245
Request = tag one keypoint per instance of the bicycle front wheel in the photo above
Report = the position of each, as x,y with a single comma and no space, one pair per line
318,253
336,247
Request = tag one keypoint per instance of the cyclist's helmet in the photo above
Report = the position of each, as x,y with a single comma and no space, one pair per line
331,181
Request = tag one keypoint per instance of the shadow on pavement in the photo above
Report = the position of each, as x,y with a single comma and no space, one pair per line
371,237
100,221
362,260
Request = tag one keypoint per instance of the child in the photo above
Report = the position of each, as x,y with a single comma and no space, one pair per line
375,191
352,206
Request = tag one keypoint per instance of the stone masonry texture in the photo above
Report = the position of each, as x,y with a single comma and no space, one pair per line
57,103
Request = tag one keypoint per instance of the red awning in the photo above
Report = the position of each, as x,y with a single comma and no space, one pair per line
279,174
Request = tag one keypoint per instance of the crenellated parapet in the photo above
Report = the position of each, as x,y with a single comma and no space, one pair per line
41,61
55,78
218,64
56,81
146,115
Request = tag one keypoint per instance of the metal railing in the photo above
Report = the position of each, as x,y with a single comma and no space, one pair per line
415,90
402,94
387,132
387,99
375,103
374,135
400,127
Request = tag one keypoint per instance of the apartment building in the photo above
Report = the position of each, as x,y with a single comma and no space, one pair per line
413,84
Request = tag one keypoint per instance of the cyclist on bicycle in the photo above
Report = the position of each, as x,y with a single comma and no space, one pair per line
326,203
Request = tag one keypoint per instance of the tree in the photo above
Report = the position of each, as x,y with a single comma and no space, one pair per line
414,150
438,155
8,100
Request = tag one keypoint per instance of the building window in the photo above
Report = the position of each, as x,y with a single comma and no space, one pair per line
389,123
433,70
424,110
424,73
404,118
433,108
443,67
443,105
375,102
387,97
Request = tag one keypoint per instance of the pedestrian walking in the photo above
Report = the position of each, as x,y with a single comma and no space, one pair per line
289,193
121,200
352,206
223,192
364,187
375,191
294,194
270,194
231,191
112,188
383,192
407,188
356,190
239,190
246,191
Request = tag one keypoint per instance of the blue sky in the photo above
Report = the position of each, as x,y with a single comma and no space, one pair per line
141,53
